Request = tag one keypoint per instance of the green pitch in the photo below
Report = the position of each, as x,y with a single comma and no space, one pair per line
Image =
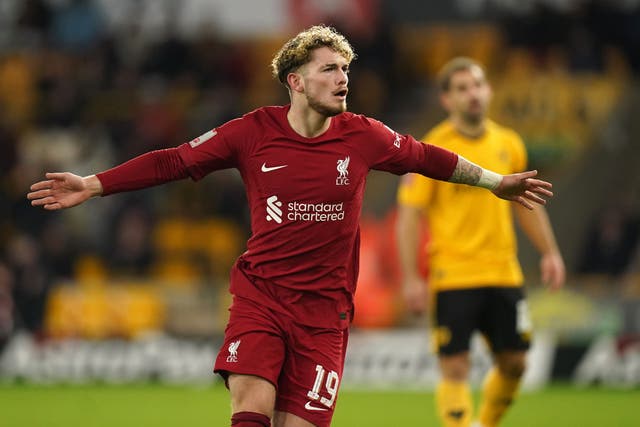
160,406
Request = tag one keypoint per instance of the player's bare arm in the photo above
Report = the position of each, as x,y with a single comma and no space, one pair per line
63,190
521,188
466,172
537,227
408,241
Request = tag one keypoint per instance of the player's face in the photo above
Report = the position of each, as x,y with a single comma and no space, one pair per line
325,82
469,95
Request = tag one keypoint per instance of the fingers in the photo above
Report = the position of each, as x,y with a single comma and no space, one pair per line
55,175
48,203
534,198
550,278
415,300
539,183
546,277
53,206
43,201
414,303
529,174
44,197
38,194
558,278
555,285
528,197
50,182
553,281
524,202
416,308
540,187
553,272
541,191
41,185
42,192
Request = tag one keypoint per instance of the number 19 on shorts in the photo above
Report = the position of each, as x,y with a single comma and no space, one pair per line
322,385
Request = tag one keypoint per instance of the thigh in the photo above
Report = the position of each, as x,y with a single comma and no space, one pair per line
505,322
310,378
253,344
456,314
251,394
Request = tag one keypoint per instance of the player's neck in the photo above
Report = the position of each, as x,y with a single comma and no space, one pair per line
470,130
307,122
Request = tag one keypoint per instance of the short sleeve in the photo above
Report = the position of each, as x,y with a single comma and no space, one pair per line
389,151
386,149
518,153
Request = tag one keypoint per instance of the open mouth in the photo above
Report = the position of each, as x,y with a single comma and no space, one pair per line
342,93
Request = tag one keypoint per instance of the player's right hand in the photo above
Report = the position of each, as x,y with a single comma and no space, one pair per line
63,190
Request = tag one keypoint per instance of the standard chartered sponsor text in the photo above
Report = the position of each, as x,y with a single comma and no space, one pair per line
315,211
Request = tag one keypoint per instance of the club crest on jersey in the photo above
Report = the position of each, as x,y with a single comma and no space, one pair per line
233,352
343,171
202,138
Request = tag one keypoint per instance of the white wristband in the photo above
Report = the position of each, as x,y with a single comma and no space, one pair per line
489,179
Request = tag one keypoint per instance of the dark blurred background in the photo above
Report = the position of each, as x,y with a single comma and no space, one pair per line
87,84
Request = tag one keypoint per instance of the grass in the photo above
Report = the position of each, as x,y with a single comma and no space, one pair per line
163,406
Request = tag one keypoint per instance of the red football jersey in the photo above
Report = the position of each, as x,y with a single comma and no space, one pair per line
305,197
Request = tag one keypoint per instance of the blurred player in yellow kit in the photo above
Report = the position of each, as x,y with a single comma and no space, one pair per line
475,279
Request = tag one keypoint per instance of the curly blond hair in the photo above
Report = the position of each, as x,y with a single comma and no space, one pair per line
297,51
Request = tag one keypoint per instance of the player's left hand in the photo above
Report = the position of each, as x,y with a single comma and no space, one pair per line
552,270
523,188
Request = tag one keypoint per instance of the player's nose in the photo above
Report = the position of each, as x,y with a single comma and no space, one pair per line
343,78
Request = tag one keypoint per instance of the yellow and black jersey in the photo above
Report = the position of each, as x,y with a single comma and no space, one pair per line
472,237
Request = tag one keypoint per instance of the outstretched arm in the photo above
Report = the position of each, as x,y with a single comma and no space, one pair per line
65,190
445,165
521,187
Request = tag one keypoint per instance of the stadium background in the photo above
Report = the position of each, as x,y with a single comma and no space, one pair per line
134,287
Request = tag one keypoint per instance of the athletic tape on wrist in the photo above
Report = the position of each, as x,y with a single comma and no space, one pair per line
489,180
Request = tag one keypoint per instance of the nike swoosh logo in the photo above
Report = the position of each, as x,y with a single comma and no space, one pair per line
265,168
310,407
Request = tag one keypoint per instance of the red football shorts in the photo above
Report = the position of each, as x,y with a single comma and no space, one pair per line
304,363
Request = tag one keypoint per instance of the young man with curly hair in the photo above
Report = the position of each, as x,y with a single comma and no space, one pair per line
304,167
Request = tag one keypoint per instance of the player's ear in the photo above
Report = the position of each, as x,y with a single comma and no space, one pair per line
295,82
